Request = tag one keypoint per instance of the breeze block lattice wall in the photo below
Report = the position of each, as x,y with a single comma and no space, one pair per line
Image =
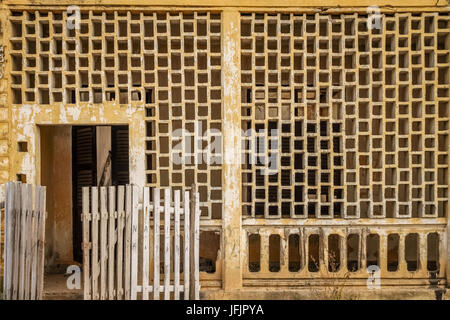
354,122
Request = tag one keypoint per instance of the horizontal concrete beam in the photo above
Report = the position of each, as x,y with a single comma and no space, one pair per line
242,3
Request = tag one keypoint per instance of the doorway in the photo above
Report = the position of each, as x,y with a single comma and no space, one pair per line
73,157
100,157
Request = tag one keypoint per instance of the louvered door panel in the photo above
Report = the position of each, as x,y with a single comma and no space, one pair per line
120,155
84,166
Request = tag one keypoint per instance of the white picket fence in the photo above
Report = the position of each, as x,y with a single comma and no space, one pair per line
116,255
24,234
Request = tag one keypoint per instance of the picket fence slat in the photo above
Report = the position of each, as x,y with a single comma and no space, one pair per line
119,247
103,249
196,258
187,245
194,246
127,278
16,253
34,246
134,242
127,257
28,242
9,236
24,221
176,254
145,243
94,233
166,244
22,239
86,253
156,232
8,243
111,240
41,242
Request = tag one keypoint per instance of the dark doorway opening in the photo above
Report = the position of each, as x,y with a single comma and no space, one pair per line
100,157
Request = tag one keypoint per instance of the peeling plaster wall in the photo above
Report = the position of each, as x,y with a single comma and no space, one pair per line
231,276
24,130
26,118
4,105
4,115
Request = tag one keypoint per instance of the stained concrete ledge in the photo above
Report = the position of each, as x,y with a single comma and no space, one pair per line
55,288
330,293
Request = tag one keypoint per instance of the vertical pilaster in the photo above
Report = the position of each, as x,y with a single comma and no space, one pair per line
232,223
4,98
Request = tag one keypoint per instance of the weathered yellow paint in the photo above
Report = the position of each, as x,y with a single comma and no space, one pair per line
21,123
26,119
231,146
4,113
327,292
4,103
241,4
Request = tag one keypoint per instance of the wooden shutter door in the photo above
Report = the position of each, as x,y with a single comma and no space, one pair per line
120,155
84,173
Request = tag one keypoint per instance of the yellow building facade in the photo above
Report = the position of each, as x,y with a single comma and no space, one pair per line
348,100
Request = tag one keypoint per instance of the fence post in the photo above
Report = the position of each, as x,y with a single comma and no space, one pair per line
103,248
94,247
41,241
176,246
127,285
197,247
8,232
119,246
156,232
145,243
194,247
86,243
23,240
167,220
134,242
111,239
28,242
187,243
34,244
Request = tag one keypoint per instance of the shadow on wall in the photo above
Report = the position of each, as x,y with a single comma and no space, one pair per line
56,175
